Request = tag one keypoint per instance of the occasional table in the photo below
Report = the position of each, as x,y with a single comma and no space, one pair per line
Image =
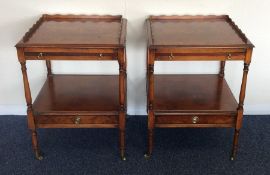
194,100
76,101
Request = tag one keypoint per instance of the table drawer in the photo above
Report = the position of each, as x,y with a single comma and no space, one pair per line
69,56
76,120
199,54
194,119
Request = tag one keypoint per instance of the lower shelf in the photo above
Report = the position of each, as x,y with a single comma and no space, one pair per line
78,95
193,94
193,101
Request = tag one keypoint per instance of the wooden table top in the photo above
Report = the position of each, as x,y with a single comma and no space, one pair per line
195,31
76,30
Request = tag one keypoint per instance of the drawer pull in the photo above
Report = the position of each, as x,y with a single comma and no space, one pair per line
229,56
77,120
195,119
100,55
39,55
171,56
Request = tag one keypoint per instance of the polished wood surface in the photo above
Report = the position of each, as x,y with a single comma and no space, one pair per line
66,32
77,121
76,101
72,94
199,101
194,120
196,31
76,30
193,94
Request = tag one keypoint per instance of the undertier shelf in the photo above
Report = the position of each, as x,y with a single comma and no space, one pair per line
203,93
78,94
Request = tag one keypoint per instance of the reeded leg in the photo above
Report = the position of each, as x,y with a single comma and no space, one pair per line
35,145
235,144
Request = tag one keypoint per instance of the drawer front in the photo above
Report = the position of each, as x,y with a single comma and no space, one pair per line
71,54
195,119
76,120
196,54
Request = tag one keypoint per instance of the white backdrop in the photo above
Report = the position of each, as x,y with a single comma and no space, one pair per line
16,17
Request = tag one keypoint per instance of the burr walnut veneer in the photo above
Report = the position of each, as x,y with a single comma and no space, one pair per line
199,100
76,101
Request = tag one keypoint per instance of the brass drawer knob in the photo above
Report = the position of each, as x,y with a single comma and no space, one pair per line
39,55
77,120
229,56
171,56
195,119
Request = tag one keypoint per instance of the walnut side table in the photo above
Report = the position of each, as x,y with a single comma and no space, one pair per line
76,101
200,100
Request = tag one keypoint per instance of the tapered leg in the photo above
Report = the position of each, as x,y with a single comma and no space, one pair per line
35,145
150,144
150,135
122,136
239,121
122,145
235,144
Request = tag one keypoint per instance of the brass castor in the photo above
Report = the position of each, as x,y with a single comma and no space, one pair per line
122,154
147,156
38,156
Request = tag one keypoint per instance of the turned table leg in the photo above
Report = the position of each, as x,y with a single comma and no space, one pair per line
122,100
49,67
240,109
222,68
150,97
30,116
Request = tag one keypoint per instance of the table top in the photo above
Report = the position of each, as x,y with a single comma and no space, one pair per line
195,31
76,30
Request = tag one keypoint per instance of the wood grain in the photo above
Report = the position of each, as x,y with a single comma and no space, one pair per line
199,101
76,101
195,31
